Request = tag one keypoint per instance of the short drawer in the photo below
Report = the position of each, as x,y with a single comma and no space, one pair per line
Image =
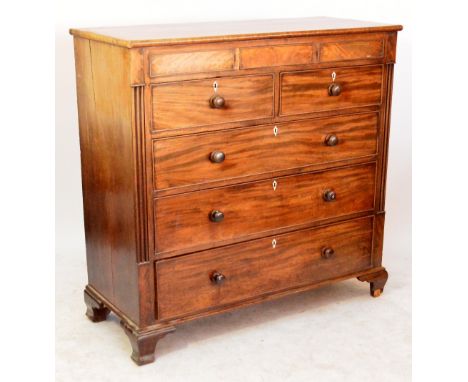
330,89
205,219
161,64
257,57
213,278
351,50
214,101
241,152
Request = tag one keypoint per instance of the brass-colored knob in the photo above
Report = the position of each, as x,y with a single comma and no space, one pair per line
217,157
217,102
329,195
216,216
217,277
331,140
334,89
327,252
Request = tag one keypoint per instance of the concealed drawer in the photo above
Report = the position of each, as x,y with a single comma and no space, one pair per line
257,57
183,222
187,103
191,62
191,159
185,284
351,50
308,91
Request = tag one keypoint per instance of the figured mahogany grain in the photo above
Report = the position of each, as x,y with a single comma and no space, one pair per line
258,267
258,57
307,91
186,104
351,50
191,62
185,160
182,221
146,132
277,55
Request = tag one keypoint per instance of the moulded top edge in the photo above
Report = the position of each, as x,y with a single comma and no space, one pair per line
169,34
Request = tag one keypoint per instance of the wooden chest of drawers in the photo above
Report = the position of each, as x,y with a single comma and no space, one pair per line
227,164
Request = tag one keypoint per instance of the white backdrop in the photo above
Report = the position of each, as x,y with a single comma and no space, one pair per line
109,343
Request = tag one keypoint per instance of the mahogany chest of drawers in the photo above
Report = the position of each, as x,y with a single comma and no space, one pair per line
224,164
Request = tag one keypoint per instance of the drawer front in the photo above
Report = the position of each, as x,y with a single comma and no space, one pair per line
183,222
308,91
186,284
187,103
351,50
191,62
248,151
258,57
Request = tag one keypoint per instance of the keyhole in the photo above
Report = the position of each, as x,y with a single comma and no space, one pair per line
275,185
273,243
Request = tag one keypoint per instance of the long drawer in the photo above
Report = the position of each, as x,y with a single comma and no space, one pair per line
208,279
208,218
241,152
187,104
330,89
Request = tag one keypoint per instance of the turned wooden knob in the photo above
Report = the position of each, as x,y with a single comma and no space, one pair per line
331,140
327,252
217,277
329,195
217,102
217,157
334,90
216,216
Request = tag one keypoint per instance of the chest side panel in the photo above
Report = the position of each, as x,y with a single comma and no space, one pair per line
108,172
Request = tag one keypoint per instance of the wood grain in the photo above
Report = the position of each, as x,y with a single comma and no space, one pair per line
351,50
105,110
186,104
146,133
391,47
171,323
256,267
258,57
185,160
307,91
183,221
288,43
191,62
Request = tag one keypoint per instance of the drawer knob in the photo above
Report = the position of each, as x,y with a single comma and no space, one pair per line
334,90
216,216
327,252
329,195
331,140
217,102
217,157
217,277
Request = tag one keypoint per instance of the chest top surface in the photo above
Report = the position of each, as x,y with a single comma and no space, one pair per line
147,35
